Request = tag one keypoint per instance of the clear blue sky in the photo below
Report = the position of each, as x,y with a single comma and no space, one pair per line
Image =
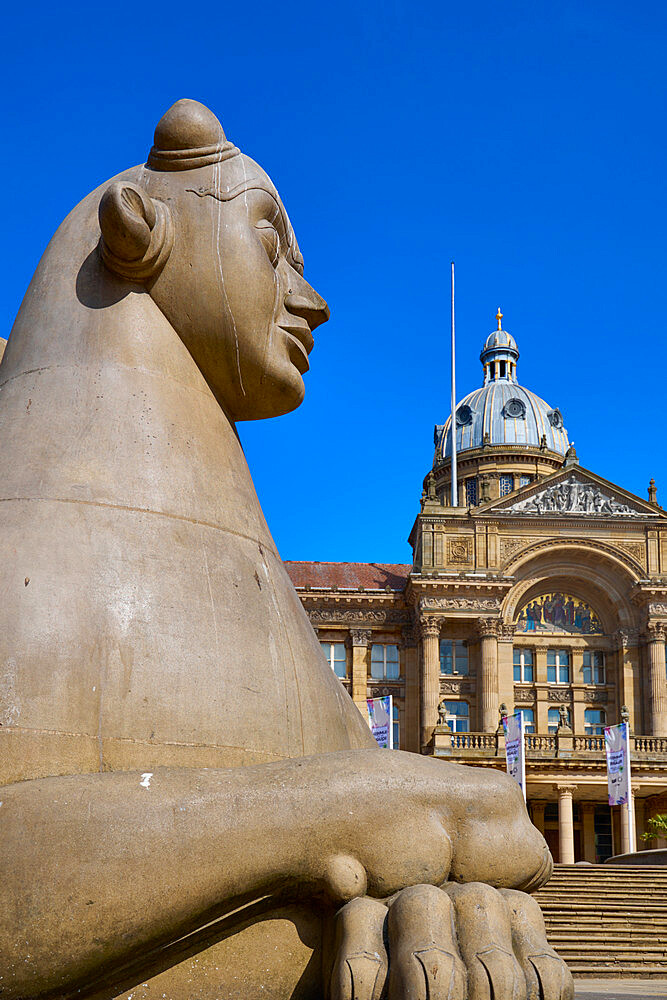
526,141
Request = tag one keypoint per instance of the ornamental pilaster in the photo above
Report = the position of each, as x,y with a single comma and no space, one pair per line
361,638
655,641
430,676
488,630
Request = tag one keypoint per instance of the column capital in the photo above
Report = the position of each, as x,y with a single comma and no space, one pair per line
655,631
430,627
506,631
360,636
488,628
565,789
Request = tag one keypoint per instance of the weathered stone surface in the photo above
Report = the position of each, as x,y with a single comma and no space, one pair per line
152,642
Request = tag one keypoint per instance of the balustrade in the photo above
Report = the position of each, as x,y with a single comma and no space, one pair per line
538,744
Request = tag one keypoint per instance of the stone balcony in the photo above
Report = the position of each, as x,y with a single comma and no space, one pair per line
544,747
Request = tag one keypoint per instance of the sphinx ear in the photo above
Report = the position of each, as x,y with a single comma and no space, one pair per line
137,233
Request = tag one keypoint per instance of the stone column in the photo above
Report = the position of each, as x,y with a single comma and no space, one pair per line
565,823
537,815
655,632
587,813
488,700
361,638
430,677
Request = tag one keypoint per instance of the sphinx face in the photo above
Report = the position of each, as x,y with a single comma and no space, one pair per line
233,286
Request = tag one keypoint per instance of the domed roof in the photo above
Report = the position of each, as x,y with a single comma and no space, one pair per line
500,339
502,412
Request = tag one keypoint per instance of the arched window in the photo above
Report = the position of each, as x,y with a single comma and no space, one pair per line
457,716
336,657
595,719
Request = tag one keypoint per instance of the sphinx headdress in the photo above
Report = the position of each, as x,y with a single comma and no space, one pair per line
187,136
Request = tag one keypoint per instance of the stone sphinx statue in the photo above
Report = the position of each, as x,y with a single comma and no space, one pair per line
193,808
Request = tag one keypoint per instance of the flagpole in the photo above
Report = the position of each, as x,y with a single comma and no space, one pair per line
630,804
452,428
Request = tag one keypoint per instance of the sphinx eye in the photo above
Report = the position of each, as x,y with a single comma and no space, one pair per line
269,237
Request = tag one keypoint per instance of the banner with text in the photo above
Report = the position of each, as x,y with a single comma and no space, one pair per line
380,711
514,749
617,746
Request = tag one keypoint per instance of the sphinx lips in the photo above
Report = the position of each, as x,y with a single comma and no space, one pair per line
302,340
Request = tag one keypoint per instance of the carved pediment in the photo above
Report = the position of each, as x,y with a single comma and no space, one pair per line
578,496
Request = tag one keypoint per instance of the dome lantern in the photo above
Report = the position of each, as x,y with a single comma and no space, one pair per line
502,413
499,354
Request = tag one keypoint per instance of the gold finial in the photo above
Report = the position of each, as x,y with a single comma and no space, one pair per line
499,317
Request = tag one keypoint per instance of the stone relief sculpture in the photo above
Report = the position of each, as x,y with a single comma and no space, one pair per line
192,805
573,496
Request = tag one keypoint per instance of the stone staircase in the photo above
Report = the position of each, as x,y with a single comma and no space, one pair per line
608,920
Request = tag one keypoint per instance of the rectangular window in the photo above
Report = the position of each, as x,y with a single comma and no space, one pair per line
558,666
396,727
471,492
595,719
594,672
384,662
554,719
523,666
506,485
453,657
524,480
528,720
457,715
336,656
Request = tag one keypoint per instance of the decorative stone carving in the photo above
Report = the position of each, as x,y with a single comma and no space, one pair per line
655,631
523,695
601,697
577,497
459,550
506,632
430,627
636,549
657,609
558,694
360,636
381,691
455,685
512,544
459,603
346,616
487,627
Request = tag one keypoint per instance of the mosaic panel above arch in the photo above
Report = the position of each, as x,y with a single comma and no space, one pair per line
558,613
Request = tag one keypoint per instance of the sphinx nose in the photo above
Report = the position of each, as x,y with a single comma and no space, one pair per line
310,307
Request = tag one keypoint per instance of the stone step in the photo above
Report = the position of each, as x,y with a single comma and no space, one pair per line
608,922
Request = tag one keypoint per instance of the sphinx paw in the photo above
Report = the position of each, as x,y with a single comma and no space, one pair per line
459,942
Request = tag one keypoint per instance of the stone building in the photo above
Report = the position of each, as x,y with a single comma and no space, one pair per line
544,591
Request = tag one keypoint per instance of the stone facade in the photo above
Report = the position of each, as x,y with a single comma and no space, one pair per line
550,598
